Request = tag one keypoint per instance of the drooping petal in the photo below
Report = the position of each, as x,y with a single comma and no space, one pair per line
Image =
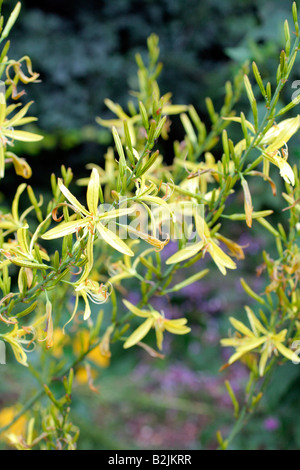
158,244
263,361
247,203
235,249
159,336
87,310
139,333
49,337
286,172
113,240
220,258
18,351
286,352
21,166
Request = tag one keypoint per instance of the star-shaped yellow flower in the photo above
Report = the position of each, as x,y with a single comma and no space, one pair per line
155,320
208,244
91,220
274,144
8,133
267,342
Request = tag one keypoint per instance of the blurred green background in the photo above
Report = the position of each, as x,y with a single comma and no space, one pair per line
85,52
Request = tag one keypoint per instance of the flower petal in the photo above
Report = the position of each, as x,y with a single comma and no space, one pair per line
72,199
263,362
113,240
137,311
139,333
286,352
251,344
284,131
92,195
176,328
22,136
65,228
255,323
185,253
239,326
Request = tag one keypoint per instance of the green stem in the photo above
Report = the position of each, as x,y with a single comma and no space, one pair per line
41,392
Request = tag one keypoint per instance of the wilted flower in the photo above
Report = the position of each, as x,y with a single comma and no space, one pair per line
89,290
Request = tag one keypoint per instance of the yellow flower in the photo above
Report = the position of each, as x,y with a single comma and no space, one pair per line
274,144
16,340
279,134
206,244
89,290
90,220
23,254
60,340
82,343
8,133
285,169
258,337
6,416
236,250
82,376
154,320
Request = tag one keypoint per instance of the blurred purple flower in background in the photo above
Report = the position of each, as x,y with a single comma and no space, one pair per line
170,249
271,423
250,244
134,297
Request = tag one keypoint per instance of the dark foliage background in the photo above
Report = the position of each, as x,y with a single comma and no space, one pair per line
85,53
